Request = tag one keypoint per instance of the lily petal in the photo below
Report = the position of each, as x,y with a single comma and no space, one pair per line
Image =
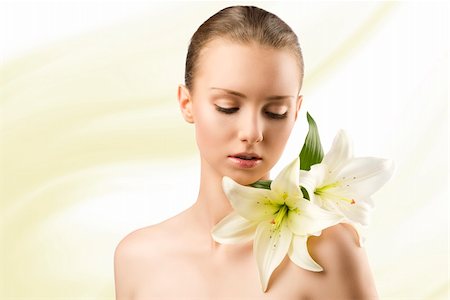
286,182
298,253
365,175
312,178
341,150
270,247
310,218
234,229
251,203
358,212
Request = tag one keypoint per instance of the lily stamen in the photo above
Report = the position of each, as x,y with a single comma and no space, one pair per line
279,216
322,192
329,186
351,201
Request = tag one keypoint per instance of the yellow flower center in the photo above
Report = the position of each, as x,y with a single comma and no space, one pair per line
279,216
324,191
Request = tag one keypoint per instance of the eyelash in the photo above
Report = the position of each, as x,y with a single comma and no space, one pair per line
235,109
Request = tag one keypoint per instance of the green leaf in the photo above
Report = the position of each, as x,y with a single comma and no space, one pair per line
262,184
312,152
305,193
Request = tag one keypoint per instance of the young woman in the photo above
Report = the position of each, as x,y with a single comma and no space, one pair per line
243,76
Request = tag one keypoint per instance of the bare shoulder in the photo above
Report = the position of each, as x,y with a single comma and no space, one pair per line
346,267
128,255
146,242
336,245
135,244
135,254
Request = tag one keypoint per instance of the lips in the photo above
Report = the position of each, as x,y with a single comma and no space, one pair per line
245,160
246,156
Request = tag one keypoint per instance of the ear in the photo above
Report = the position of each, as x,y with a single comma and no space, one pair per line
299,104
185,102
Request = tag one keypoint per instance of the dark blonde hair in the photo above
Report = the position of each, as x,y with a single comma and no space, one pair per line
242,24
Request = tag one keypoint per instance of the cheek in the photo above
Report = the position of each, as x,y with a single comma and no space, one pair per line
210,132
278,135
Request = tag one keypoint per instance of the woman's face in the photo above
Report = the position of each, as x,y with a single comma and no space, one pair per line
244,105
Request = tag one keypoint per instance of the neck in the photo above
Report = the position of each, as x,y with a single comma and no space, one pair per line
212,204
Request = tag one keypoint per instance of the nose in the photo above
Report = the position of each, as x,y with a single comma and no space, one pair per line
250,128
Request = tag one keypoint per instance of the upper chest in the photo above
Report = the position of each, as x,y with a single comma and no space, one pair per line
178,275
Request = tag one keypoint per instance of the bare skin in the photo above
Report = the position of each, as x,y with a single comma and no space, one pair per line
177,258
149,265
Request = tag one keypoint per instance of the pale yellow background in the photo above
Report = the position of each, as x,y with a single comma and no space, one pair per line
92,144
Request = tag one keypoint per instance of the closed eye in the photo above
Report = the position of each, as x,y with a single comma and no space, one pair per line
232,110
227,110
276,116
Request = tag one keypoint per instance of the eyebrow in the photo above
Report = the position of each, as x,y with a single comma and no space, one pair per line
231,92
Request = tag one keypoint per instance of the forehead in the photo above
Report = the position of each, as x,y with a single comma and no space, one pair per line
251,69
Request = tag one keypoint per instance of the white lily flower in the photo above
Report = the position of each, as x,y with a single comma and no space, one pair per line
279,220
344,184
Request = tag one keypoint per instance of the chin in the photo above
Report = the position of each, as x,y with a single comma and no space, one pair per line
247,179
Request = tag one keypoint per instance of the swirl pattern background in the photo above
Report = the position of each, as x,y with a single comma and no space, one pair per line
92,144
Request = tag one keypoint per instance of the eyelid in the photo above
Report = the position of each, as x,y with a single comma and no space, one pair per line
227,110
226,104
277,111
276,116
231,110
277,107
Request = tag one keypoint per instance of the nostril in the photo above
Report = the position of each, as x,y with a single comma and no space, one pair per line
252,140
250,130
